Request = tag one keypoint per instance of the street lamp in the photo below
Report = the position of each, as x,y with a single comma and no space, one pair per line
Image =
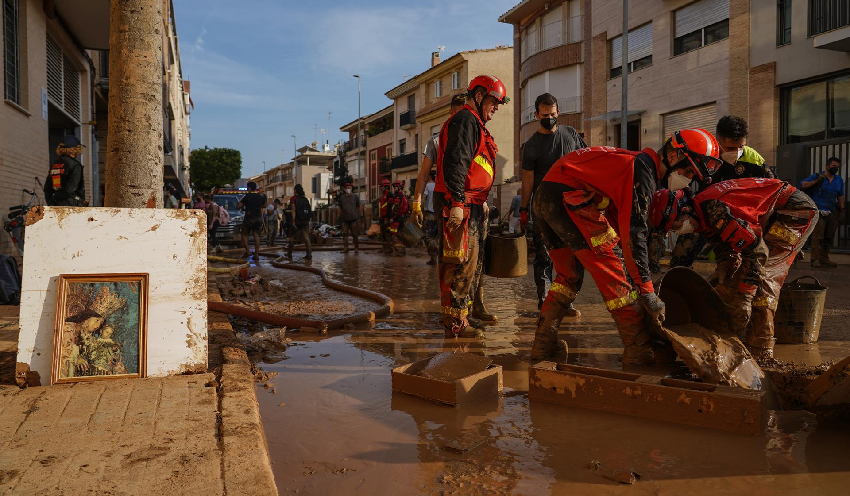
358,137
294,162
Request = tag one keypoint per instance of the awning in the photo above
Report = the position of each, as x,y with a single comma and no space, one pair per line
87,21
615,115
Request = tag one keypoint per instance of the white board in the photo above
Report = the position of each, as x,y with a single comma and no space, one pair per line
168,244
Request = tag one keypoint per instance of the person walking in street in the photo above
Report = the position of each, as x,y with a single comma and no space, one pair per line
429,227
466,167
385,210
65,186
214,221
272,221
349,205
593,207
765,222
252,203
544,148
302,212
827,191
200,202
170,201
514,214
399,210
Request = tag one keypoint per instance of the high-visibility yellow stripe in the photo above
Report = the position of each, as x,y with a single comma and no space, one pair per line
454,312
786,235
453,253
484,164
621,301
604,237
604,203
763,301
564,290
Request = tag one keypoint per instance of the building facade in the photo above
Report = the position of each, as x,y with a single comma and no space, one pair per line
355,155
379,144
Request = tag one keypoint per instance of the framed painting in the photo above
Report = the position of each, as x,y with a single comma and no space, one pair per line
101,327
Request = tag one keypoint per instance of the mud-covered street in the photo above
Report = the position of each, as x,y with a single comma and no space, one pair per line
334,426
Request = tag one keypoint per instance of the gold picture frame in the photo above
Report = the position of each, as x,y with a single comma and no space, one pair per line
101,327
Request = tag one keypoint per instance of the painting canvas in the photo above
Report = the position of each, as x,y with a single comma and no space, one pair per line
100,327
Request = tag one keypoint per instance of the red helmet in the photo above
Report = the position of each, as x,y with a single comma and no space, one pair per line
398,184
385,183
701,149
666,207
347,185
494,87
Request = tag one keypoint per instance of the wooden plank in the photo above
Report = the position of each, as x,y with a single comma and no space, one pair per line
671,400
464,390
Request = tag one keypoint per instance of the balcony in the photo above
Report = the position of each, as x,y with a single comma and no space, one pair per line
352,144
406,160
827,15
385,166
566,105
554,34
407,120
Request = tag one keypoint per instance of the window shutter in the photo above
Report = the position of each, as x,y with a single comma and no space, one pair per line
54,72
640,45
63,81
699,15
71,91
617,52
702,117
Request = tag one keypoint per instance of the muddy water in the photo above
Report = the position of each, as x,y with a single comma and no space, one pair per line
334,427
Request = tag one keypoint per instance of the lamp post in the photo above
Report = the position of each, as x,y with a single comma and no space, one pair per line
358,137
294,162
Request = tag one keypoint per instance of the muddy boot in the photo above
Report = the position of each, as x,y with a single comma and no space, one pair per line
828,263
816,264
638,355
457,328
637,349
470,332
479,311
763,356
344,243
218,250
546,343
572,311
433,260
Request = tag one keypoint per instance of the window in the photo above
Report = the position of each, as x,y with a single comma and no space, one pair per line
456,80
11,67
416,142
402,146
816,111
640,51
435,130
411,102
63,81
699,24
438,89
826,15
783,22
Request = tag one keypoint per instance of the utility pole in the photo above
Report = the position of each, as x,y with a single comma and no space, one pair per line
328,141
624,108
134,157
358,138
294,162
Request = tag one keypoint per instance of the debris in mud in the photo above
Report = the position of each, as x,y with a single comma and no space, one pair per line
260,375
450,367
266,340
595,464
791,382
829,394
625,476
314,330
464,443
282,404
325,355
452,381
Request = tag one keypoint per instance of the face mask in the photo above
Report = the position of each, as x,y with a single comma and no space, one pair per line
549,123
833,170
687,228
677,181
348,190
732,157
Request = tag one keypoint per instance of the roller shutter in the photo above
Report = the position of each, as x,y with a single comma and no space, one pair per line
640,45
702,117
699,15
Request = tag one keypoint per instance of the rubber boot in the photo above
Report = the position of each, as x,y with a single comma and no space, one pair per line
460,328
345,243
760,339
356,243
433,260
825,261
479,311
546,343
637,348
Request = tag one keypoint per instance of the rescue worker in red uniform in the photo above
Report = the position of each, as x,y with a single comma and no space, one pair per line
399,210
595,202
385,205
466,165
765,222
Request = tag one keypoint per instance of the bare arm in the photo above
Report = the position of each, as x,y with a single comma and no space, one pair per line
422,178
809,184
841,202
527,185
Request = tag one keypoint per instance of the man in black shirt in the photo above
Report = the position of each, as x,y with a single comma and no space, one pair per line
253,204
65,186
544,148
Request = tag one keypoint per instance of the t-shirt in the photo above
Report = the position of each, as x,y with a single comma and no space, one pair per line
170,202
826,194
428,197
516,203
253,203
541,151
431,147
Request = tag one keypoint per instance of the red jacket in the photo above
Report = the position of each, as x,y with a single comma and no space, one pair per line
466,160
384,205
628,180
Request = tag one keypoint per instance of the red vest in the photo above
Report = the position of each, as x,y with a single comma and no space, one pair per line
384,206
609,172
482,170
751,199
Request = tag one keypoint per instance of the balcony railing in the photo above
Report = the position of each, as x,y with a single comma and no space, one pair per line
566,105
407,118
554,34
826,15
406,160
352,144
286,177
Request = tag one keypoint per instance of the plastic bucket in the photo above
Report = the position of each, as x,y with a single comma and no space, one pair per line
799,311
410,234
506,255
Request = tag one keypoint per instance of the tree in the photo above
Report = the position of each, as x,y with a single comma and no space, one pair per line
214,167
341,175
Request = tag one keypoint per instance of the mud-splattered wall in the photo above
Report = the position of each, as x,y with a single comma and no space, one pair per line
169,245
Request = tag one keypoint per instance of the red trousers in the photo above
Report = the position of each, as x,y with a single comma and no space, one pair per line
583,233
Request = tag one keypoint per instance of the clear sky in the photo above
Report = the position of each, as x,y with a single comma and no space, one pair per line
263,70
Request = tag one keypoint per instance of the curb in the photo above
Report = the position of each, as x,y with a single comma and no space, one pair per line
246,466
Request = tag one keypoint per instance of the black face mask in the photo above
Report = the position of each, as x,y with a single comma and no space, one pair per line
833,170
549,123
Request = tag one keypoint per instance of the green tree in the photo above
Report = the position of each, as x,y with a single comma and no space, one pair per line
214,167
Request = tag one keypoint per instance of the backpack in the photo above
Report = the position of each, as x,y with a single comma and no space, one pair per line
302,209
223,216
10,281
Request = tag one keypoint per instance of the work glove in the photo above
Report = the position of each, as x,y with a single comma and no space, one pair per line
455,218
653,305
719,276
417,217
523,221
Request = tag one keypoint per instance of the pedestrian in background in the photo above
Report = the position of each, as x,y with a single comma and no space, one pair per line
169,200
272,221
349,205
544,148
827,190
200,202
301,210
65,186
514,213
213,211
253,203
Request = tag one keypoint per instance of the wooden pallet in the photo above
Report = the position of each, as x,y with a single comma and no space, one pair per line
672,400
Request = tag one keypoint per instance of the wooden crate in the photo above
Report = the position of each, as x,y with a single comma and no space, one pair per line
464,390
671,400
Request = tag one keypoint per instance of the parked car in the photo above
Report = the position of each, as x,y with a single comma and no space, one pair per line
229,199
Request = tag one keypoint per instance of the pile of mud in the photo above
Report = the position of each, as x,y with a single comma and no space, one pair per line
269,295
791,382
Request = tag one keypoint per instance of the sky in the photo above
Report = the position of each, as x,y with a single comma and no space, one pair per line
264,70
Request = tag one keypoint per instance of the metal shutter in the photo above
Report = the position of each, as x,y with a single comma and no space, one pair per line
703,117
63,81
71,89
54,72
640,45
699,15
